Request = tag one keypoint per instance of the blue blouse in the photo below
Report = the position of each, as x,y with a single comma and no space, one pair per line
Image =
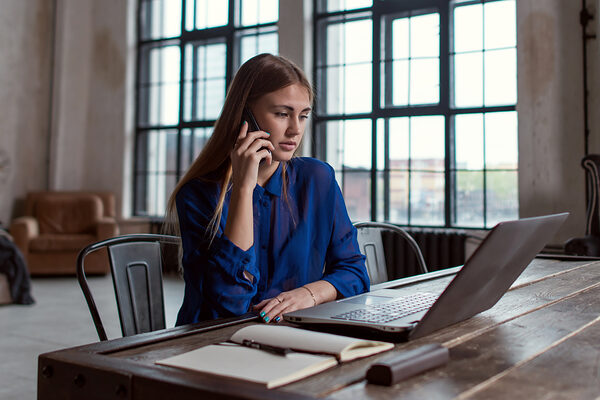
302,240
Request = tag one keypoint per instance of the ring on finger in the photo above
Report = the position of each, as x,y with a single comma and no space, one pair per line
279,300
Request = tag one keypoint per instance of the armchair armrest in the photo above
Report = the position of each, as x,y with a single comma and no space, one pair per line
23,229
107,228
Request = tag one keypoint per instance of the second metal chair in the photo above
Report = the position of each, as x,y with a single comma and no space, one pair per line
371,245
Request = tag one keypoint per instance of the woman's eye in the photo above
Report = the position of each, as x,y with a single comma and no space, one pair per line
281,114
304,116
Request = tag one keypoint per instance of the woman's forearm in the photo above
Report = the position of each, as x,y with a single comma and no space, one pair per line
239,227
322,291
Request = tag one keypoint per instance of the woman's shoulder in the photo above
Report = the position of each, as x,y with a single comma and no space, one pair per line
197,188
308,166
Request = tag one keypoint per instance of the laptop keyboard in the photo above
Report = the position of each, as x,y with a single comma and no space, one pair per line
391,310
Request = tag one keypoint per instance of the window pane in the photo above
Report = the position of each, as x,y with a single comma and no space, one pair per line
204,90
357,144
399,143
348,144
415,74
425,36
153,191
500,24
501,141
399,197
469,198
502,196
357,194
160,19
357,81
211,13
426,198
500,77
468,28
468,80
256,12
401,79
427,143
357,41
424,81
257,43
157,151
349,71
192,143
338,5
468,145
159,92
400,38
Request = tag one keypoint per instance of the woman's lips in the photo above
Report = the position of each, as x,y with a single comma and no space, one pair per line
288,146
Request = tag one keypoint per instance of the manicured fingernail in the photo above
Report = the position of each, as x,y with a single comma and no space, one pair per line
277,318
266,319
268,133
262,314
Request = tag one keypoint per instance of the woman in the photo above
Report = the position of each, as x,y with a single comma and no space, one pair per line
263,231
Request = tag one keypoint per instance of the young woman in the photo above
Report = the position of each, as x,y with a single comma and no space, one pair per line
262,230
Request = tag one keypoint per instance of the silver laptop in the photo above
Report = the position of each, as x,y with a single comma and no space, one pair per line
481,282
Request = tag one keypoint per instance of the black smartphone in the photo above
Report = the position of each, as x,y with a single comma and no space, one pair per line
252,124
249,117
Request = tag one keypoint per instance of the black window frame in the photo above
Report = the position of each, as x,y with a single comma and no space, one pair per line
376,12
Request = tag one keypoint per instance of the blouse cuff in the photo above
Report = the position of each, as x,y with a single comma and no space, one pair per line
234,260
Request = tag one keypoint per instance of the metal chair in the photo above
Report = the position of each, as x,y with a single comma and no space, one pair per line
136,268
370,242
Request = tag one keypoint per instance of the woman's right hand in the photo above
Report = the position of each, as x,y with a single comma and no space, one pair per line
249,150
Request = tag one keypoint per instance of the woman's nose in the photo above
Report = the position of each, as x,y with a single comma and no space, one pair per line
294,127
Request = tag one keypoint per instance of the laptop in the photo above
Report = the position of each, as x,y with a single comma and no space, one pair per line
502,256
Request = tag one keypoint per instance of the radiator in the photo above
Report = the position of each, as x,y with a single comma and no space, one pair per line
441,248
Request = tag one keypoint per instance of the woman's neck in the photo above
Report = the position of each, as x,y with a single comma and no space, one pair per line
266,171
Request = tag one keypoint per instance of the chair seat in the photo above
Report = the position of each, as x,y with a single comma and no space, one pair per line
60,242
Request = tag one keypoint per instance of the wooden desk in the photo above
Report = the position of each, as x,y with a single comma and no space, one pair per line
539,341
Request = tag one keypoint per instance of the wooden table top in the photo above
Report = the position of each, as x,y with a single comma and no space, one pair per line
539,341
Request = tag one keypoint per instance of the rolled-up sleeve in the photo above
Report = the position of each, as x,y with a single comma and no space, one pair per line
213,270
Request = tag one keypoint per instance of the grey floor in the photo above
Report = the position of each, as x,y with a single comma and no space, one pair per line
59,319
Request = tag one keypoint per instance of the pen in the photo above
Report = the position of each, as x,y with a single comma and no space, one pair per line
282,351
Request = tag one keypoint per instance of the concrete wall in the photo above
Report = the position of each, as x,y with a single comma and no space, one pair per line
550,106
86,66
26,32
88,135
63,104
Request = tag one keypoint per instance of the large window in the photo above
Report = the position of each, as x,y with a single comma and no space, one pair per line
188,51
416,108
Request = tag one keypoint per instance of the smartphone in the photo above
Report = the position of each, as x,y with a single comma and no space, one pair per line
249,117
252,124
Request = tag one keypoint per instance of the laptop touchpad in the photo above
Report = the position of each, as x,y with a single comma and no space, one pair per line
367,299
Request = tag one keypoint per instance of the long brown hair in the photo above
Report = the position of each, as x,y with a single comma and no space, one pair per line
262,74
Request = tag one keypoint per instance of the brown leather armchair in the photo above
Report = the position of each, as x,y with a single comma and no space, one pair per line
57,225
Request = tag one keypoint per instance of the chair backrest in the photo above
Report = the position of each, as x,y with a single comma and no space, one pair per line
136,268
370,242
591,164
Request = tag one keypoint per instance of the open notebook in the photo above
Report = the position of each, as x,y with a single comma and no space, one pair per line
310,353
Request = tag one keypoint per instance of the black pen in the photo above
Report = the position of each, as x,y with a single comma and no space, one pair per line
282,351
